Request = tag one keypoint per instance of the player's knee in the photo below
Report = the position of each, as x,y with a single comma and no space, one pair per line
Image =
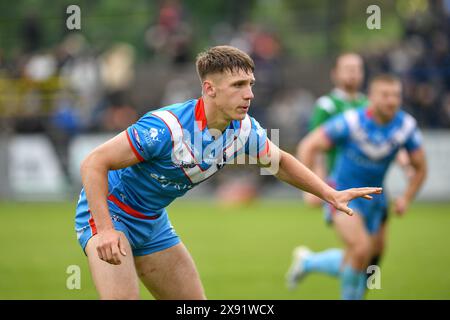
146,273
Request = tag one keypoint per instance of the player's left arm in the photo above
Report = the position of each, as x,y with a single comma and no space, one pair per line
290,170
417,161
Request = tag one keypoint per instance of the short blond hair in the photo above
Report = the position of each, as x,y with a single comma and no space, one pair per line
223,58
384,77
339,57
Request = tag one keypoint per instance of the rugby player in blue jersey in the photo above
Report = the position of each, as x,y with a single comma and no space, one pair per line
128,181
368,140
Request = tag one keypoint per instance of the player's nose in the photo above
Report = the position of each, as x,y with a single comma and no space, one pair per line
249,94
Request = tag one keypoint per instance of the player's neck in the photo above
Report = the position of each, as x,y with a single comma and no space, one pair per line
377,117
215,120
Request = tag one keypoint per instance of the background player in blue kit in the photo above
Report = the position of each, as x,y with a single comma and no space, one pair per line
369,139
128,181
348,77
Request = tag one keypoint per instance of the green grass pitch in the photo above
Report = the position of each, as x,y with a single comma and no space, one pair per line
241,253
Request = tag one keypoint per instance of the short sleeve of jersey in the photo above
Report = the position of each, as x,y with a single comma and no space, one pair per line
414,140
323,110
337,129
257,144
149,138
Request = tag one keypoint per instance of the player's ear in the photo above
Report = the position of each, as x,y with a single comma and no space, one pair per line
208,88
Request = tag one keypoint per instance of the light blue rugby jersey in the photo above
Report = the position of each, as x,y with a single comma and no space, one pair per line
177,153
367,148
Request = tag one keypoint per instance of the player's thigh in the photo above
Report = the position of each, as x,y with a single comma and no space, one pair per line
113,281
352,230
379,240
170,274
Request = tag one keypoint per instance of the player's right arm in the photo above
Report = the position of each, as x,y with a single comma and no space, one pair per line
112,155
333,132
314,144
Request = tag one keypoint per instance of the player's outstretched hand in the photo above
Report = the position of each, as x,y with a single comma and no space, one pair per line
110,246
341,199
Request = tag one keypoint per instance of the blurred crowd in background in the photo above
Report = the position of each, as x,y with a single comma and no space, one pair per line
73,85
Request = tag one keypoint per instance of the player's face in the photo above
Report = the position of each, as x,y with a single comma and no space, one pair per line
233,93
349,72
385,97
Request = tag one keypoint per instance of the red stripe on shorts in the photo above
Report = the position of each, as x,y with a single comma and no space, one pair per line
92,224
130,210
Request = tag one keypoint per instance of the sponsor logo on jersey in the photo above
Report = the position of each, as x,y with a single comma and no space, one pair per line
153,133
116,218
166,182
184,164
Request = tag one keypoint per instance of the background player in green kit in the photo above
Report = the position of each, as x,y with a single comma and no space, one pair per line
347,76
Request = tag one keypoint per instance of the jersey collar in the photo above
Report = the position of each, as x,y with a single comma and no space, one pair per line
200,116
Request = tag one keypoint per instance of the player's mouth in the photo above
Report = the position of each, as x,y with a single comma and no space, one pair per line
243,108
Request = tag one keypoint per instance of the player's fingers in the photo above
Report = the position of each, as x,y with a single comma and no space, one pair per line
346,210
370,190
367,197
361,192
122,247
108,253
378,190
100,254
116,255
